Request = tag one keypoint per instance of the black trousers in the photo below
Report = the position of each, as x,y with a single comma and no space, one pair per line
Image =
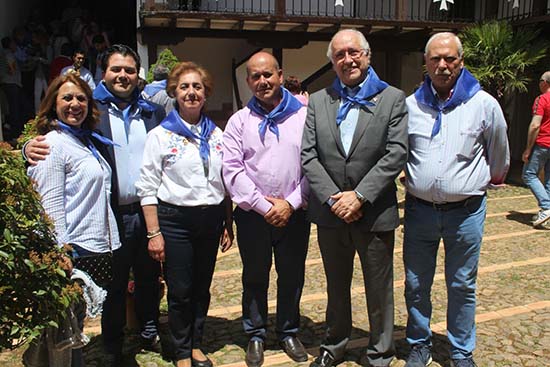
191,236
258,242
375,249
133,254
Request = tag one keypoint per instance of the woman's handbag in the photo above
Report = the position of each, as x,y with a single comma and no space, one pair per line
98,266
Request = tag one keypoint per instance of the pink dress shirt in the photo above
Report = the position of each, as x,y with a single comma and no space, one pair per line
253,169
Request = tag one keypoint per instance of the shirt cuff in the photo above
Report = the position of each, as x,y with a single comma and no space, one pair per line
263,207
295,200
149,200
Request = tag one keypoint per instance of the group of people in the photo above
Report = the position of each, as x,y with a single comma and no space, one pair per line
171,181
34,54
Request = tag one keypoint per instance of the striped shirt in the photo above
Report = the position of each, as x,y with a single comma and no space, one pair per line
468,154
75,189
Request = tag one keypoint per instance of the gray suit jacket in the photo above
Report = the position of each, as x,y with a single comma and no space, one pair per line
377,155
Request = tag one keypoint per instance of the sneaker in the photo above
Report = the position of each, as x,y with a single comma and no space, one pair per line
420,356
542,217
467,362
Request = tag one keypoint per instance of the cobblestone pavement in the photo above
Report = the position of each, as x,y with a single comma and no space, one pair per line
513,313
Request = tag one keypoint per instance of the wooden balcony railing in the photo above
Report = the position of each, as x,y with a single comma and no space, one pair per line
394,10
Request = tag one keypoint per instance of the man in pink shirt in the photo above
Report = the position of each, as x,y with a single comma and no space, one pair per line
263,174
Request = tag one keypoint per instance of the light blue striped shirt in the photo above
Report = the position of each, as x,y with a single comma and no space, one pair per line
75,189
348,125
469,153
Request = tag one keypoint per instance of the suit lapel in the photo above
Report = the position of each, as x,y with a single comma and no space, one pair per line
332,110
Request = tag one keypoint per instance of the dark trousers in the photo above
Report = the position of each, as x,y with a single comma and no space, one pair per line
258,241
375,250
133,254
191,236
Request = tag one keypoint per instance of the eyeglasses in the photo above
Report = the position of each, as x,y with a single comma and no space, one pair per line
354,54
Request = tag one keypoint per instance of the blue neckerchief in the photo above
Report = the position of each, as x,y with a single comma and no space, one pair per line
465,88
85,136
289,105
371,87
153,88
174,123
103,95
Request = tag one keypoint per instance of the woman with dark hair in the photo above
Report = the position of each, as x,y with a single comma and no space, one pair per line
183,199
74,180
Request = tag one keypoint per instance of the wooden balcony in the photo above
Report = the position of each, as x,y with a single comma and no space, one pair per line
293,23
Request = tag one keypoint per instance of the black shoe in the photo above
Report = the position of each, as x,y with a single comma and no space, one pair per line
254,353
112,360
294,348
325,359
206,363
151,344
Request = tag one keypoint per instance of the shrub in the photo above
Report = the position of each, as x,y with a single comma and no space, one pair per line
34,289
167,58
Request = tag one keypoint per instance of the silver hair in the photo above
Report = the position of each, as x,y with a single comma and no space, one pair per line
447,35
546,76
362,41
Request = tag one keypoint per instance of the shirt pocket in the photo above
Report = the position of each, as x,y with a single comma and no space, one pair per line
469,143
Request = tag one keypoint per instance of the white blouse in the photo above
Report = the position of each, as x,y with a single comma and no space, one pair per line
173,171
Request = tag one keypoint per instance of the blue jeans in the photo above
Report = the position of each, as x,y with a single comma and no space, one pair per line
539,159
461,229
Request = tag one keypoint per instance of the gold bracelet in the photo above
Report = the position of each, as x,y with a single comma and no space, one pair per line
154,234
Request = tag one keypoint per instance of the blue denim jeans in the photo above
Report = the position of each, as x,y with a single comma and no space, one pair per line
539,159
461,230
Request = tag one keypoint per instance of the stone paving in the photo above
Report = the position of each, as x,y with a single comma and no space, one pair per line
513,313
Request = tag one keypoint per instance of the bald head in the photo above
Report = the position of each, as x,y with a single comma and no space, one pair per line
264,58
264,78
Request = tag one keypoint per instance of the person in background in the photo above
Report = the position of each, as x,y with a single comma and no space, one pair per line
536,155
82,218
156,90
100,48
186,212
294,86
10,82
60,62
79,70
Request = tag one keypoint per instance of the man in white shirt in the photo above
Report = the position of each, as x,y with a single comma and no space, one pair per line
78,69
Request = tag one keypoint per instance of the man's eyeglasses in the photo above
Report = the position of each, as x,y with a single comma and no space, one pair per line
354,54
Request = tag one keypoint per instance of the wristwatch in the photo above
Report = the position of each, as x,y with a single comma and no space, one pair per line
360,197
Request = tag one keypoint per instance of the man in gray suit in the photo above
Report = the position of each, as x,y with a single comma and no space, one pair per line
354,146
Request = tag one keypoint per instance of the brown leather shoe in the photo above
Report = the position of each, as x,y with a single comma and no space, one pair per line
254,353
294,348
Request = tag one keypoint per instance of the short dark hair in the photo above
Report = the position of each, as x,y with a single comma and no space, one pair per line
293,85
122,50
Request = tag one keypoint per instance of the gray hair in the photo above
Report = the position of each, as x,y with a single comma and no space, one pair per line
160,72
362,41
446,35
546,76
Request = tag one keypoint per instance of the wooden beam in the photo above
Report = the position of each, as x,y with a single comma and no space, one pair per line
269,26
401,9
330,29
299,28
280,7
238,26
